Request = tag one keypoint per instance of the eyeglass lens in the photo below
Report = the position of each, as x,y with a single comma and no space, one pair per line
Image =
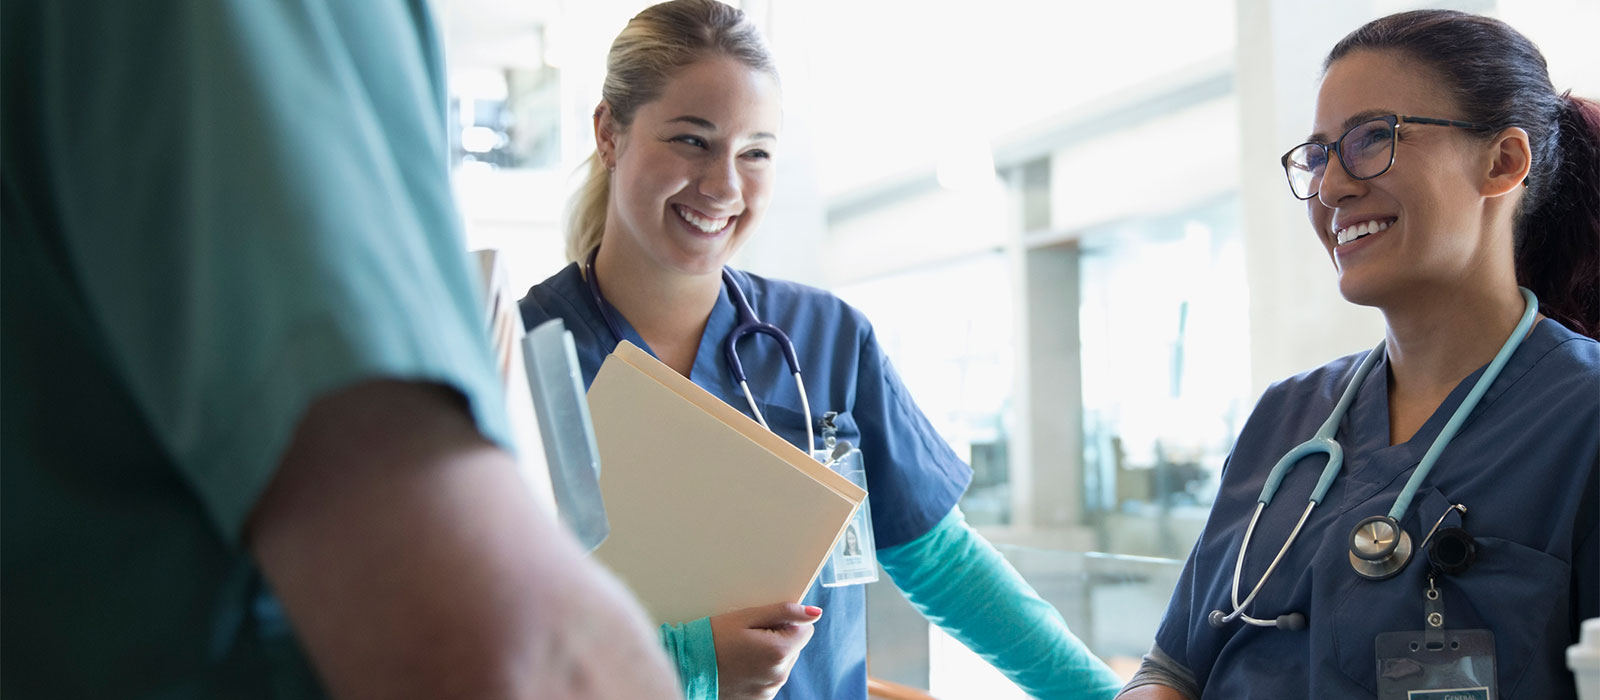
1366,151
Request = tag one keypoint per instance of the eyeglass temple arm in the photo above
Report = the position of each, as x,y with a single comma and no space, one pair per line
1443,122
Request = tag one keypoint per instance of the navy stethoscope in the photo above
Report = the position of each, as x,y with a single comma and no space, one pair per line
748,324
1379,547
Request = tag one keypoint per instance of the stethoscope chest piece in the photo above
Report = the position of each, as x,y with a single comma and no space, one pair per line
1379,548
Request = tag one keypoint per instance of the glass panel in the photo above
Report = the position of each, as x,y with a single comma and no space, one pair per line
948,331
1164,325
506,118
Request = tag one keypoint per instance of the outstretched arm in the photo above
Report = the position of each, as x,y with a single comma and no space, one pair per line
961,583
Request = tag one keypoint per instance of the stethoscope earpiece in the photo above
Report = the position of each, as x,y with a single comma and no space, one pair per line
1289,622
1217,619
1292,622
1379,548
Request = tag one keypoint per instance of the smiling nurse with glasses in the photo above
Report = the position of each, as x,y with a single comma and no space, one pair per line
1421,520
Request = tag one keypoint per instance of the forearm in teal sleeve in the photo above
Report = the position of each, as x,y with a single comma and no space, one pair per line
961,583
692,648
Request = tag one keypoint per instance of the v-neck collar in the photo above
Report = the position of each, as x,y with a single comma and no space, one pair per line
710,368
1372,464
708,365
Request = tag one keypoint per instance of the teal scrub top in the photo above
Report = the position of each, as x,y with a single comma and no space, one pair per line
214,214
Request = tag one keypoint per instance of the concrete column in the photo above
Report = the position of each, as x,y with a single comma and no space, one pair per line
1054,361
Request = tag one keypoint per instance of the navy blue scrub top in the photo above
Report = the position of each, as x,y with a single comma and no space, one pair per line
913,476
1526,465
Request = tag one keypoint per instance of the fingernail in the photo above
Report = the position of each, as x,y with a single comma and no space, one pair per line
813,610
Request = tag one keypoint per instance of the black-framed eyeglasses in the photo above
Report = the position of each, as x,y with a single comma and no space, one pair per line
1366,151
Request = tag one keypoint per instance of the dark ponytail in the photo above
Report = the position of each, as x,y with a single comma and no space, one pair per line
1499,77
1558,245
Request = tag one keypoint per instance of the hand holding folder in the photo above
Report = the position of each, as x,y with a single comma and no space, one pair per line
709,511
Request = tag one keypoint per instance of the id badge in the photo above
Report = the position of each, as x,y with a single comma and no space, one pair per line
854,558
1436,665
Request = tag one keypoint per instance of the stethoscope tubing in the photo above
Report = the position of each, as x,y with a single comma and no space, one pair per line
1323,441
748,324
1238,567
1448,433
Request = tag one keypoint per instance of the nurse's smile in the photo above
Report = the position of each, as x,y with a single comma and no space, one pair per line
1349,231
1354,237
703,223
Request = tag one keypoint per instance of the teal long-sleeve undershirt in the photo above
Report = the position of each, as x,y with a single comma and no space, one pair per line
957,580
691,647
960,582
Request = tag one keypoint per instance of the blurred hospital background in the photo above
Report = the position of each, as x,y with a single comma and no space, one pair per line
1067,222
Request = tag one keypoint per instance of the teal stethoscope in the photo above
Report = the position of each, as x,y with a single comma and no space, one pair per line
748,324
1379,547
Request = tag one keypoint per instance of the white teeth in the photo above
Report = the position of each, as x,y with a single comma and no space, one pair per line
1345,235
700,222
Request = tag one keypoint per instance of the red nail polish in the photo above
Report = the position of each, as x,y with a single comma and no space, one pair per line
813,610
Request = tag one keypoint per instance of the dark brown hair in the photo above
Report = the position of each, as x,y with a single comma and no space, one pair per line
1498,77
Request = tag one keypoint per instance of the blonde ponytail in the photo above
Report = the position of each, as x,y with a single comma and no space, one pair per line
587,211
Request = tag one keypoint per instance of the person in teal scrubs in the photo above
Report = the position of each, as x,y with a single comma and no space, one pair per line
1443,171
688,139
244,361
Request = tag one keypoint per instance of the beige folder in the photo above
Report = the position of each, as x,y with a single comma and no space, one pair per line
709,511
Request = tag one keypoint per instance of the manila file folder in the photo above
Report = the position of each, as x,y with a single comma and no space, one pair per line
709,511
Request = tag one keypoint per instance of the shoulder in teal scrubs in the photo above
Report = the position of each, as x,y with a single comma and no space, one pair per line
214,213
